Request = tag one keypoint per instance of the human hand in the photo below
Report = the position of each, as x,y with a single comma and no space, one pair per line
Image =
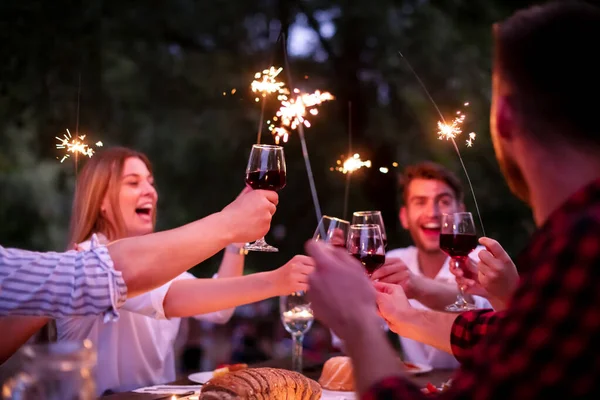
396,272
293,275
392,304
496,274
341,295
249,215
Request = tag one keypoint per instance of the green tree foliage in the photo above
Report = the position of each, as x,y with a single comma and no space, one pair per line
159,76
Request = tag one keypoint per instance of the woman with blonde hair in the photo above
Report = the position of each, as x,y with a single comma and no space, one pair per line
116,198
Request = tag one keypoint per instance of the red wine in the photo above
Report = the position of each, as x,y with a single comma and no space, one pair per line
266,180
370,261
459,245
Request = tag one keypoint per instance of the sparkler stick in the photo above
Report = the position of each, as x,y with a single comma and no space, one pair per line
266,83
348,176
448,137
264,97
311,179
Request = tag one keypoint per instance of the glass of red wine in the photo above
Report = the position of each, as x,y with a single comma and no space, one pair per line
457,239
366,244
266,171
333,231
370,217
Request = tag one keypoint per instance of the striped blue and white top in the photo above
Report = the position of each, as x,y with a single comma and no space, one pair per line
60,284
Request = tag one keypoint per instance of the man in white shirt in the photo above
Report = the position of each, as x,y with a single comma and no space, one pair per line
429,190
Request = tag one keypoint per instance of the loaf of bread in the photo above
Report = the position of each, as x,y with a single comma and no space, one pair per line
261,383
337,374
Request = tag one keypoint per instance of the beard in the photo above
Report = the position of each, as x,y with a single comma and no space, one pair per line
512,173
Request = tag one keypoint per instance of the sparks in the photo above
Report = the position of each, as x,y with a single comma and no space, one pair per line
75,145
293,112
453,129
266,82
351,164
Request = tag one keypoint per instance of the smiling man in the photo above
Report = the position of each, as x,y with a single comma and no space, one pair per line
428,191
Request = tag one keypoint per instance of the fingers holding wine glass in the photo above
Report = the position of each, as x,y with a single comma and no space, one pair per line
457,239
256,209
292,277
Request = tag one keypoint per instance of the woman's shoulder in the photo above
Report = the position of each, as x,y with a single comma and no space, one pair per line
97,239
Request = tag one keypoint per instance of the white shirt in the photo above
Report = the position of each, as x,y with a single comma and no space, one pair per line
417,352
137,350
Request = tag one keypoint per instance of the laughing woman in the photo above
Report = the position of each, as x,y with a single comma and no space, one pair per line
116,198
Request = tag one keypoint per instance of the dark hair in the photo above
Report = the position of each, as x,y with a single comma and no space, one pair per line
433,171
547,56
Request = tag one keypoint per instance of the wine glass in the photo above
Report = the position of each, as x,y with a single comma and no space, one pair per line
370,217
332,230
266,171
366,244
457,239
297,318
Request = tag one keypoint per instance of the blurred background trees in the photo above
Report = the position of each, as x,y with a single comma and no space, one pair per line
160,76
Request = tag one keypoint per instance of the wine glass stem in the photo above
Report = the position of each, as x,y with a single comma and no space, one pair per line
297,352
460,298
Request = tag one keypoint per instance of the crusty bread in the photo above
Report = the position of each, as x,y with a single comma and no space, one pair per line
261,384
337,374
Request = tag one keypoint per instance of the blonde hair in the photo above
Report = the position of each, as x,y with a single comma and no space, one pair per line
101,176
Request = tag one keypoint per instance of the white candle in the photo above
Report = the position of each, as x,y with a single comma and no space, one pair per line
298,313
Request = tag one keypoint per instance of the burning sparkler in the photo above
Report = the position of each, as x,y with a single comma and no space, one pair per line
293,112
75,145
453,129
447,131
266,82
351,164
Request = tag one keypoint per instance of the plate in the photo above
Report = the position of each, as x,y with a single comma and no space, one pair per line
201,377
333,395
421,369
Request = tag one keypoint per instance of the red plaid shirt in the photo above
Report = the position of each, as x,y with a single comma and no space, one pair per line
547,343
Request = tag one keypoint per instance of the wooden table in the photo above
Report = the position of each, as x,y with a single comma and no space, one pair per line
311,370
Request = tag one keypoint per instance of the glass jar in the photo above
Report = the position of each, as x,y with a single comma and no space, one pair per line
54,371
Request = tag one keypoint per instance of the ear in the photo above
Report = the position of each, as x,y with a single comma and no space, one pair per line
504,118
403,217
104,206
461,207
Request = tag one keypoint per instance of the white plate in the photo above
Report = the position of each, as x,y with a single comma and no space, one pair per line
331,395
422,368
201,377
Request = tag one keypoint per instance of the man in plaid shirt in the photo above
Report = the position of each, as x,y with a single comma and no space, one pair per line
545,134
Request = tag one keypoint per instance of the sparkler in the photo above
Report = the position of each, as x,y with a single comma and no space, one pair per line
311,178
452,130
293,113
266,83
75,145
351,164
448,131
